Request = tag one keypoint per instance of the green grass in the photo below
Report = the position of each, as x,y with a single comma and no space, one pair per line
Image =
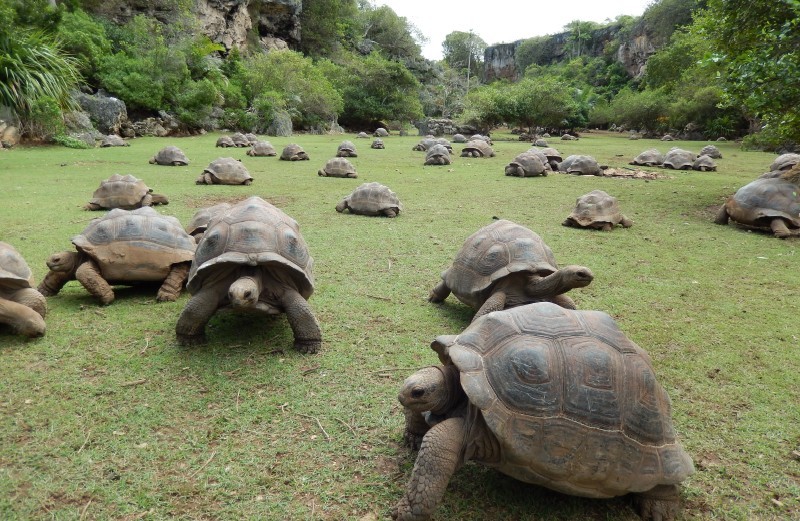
106,417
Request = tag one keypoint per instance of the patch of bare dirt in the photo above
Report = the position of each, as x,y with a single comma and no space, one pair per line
202,202
631,173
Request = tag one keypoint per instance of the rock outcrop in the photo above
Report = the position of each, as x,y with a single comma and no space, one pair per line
271,24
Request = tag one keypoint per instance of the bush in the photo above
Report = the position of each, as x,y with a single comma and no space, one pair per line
195,104
44,119
70,142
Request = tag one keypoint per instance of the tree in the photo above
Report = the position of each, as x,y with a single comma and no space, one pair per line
580,34
393,34
758,42
375,88
325,24
463,51
544,102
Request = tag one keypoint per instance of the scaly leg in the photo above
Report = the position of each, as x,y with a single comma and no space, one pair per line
495,302
170,290
661,503
307,334
191,326
88,274
439,293
437,460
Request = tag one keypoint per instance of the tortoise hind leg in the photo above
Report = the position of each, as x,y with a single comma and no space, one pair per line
779,228
170,289
439,293
722,215
660,503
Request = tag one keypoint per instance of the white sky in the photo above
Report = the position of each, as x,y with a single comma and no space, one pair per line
503,21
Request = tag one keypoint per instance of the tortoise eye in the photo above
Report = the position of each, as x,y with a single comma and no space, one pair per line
417,393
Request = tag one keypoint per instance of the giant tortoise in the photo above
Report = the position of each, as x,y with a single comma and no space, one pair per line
169,156
252,258
123,191
225,171
597,210
338,167
771,203
504,265
371,199
528,164
125,247
550,396
22,307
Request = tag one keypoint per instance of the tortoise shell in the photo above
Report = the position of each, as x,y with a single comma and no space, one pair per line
679,159
252,139
650,157
574,404
14,271
253,232
493,252
121,191
225,142
372,199
338,167
764,199
540,143
294,152
170,156
528,164
380,132
346,149
785,162
377,144
362,135
437,155
135,245
262,149
580,165
424,144
704,164
480,137
226,171
240,140
199,222
711,151
595,210
113,140
459,138
477,148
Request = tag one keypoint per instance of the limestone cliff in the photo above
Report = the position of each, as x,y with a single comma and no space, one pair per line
269,24
500,60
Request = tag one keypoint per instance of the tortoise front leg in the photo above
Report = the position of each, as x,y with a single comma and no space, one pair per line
779,228
660,503
191,326
495,302
30,298
88,274
564,300
625,222
439,293
307,334
438,458
416,428
53,282
171,287
22,319
390,212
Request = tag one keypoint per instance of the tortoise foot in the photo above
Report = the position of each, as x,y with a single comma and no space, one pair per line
308,346
413,440
191,340
660,503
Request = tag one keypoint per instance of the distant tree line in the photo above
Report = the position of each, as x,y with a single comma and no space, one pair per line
723,68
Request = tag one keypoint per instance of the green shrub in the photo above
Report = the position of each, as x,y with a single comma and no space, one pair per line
44,118
84,38
196,102
70,142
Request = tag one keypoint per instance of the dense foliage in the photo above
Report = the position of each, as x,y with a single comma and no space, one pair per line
722,68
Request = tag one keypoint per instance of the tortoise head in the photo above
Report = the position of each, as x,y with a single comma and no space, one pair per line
434,389
792,175
64,262
244,292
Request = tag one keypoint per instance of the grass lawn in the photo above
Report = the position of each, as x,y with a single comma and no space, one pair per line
106,417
